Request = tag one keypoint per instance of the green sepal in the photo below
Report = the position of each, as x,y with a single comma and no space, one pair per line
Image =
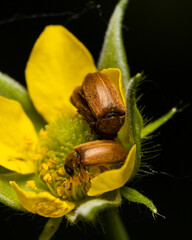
10,88
90,207
133,195
4,170
50,228
113,52
134,118
151,127
7,193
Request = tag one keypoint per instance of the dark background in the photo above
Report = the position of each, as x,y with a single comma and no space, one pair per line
157,36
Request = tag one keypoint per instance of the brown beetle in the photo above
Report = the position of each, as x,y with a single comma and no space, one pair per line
94,153
99,101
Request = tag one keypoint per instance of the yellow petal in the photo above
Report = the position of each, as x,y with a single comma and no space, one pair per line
123,134
113,179
58,63
115,75
42,203
17,137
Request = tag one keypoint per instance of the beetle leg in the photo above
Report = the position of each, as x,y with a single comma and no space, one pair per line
87,173
89,135
80,176
84,175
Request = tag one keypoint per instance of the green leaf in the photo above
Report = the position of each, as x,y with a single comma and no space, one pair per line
113,52
12,89
133,195
50,228
134,118
151,127
89,208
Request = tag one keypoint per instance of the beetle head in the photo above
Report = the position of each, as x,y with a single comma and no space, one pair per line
72,162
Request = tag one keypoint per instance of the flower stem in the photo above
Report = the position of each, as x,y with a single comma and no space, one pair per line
50,228
114,227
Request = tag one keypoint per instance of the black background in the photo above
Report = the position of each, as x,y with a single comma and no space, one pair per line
157,36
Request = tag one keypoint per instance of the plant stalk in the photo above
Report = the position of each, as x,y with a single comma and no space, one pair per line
113,226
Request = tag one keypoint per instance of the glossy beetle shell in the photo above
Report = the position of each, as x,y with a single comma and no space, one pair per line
99,101
102,95
95,153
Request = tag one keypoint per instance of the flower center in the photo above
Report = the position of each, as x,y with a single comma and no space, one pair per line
56,142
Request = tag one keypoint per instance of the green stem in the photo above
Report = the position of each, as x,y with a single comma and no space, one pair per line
114,227
113,53
50,228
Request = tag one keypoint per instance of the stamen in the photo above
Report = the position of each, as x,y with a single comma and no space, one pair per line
61,171
47,178
31,184
56,143
44,166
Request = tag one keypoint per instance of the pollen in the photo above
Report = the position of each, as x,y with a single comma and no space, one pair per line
37,157
31,184
59,191
47,178
44,166
51,163
61,171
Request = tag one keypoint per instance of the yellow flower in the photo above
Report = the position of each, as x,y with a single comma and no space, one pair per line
58,63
